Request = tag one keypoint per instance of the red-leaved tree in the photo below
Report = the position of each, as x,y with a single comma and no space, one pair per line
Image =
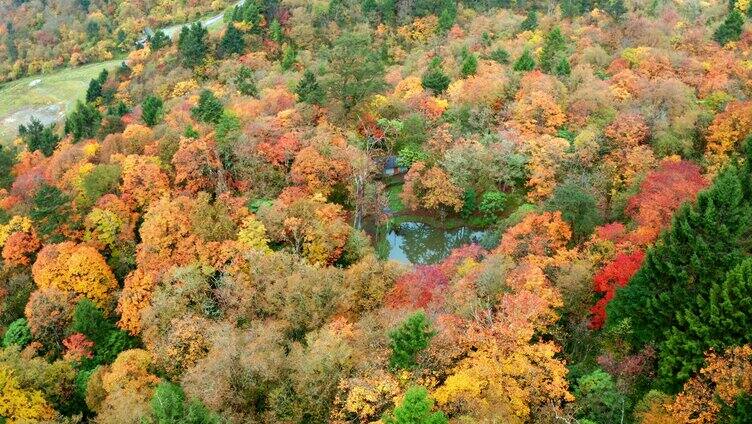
615,274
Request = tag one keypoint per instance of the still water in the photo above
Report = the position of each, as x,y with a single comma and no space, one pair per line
420,243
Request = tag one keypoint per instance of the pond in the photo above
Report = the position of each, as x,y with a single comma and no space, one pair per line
420,243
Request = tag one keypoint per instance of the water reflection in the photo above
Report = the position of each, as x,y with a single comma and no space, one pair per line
420,243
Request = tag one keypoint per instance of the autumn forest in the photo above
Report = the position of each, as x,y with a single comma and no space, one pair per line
379,211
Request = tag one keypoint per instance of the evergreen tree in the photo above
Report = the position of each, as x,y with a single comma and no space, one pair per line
276,33
151,110
469,64
571,8
50,210
95,86
108,339
531,21
416,408
10,42
408,339
615,8
245,82
209,108
719,319
250,12
192,45
38,137
500,55
190,132
103,75
434,78
730,29
289,57
355,69
118,109
599,399
232,42
308,89
83,122
553,45
706,240
123,71
563,68
447,17
7,161
525,62
159,40
111,124
94,91
740,412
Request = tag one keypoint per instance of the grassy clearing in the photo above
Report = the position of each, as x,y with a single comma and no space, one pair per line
393,198
23,98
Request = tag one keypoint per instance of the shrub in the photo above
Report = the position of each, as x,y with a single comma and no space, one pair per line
18,333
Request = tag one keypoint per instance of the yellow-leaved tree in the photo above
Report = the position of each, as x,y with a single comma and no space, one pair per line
76,268
18,405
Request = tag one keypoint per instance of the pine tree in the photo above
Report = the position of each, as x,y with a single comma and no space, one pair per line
192,45
553,45
232,42
308,89
94,91
7,161
706,240
416,408
469,64
151,110
447,18
531,21
741,412
730,29
276,33
209,108
159,40
434,78
38,137
118,109
500,55
245,82
289,57
407,340
167,403
525,62
51,209
10,41
719,319
355,69
563,68
83,122
250,12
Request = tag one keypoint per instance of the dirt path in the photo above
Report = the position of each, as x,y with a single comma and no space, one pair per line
173,30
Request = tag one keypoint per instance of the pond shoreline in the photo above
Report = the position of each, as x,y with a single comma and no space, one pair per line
416,241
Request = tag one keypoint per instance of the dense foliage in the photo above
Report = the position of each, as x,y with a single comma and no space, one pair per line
202,238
